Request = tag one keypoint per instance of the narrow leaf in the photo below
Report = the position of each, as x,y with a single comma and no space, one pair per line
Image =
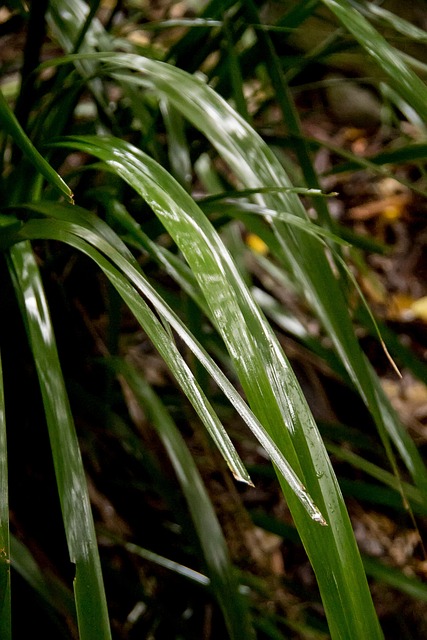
88,585
156,332
257,166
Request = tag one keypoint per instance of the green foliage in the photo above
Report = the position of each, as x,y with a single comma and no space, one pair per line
158,138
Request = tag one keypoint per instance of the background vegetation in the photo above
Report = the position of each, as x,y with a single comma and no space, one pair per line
213,307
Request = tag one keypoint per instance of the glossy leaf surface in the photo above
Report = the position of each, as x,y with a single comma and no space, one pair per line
79,529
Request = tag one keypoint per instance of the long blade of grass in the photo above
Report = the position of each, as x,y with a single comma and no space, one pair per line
390,19
89,593
235,208
413,494
359,374
167,563
220,570
264,371
117,252
374,398
5,611
409,153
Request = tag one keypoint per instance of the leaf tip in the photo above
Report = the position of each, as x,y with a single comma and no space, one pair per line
246,478
317,517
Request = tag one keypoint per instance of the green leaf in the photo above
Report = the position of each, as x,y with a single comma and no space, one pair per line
257,166
180,569
396,578
79,529
390,19
409,153
413,494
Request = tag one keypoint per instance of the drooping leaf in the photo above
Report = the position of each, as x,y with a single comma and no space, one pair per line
257,166
154,329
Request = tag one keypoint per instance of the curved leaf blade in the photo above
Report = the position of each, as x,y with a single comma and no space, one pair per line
389,59
257,166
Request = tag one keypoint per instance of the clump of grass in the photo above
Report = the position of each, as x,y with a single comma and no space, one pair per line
130,183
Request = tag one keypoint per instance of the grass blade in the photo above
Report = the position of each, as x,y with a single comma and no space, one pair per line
396,578
413,494
88,585
37,229
134,274
195,576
